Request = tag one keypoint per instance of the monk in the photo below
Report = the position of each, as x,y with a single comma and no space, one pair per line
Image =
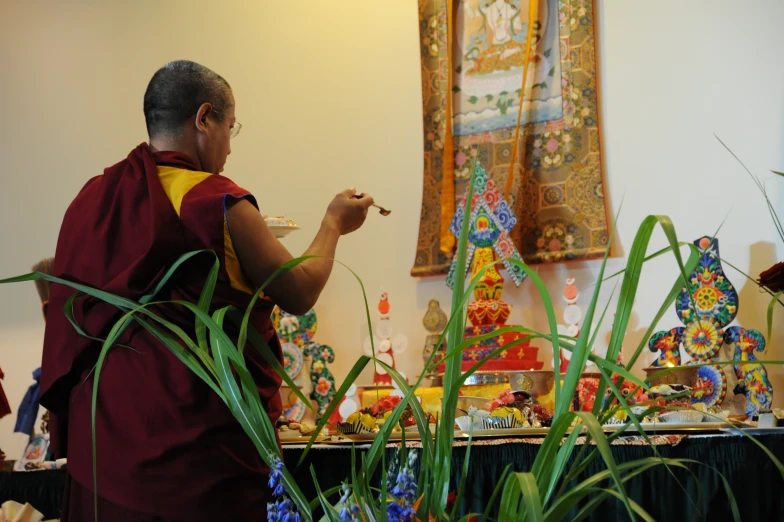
167,447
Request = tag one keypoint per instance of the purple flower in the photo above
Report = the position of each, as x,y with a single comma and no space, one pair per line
282,510
403,488
348,509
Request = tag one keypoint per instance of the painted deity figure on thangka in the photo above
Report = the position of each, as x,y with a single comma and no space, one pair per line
490,59
706,306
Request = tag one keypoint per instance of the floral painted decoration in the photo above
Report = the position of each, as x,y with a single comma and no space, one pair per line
322,379
297,334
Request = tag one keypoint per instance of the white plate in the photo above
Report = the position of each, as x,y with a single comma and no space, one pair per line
399,343
280,231
682,417
385,358
384,328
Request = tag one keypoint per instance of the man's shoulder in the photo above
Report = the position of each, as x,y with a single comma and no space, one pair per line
215,184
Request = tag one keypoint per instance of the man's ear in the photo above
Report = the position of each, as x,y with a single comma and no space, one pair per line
201,116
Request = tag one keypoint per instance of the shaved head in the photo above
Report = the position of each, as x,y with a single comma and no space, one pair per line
175,93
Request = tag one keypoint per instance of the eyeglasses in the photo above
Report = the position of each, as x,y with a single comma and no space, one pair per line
235,129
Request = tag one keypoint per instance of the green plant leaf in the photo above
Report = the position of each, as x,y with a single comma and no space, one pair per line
691,265
531,498
511,498
631,282
205,299
443,448
285,267
552,445
423,426
771,306
355,371
463,474
329,512
496,491
570,499
761,186
596,432
263,348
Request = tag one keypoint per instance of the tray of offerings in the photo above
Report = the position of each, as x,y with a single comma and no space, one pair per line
668,427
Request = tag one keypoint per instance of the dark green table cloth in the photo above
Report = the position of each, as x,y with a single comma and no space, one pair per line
755,481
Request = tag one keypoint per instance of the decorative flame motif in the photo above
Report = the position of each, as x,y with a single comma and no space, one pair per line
489,245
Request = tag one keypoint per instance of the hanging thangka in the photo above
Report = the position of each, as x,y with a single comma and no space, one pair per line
558,197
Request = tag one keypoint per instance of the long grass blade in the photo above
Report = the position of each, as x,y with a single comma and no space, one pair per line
496,491
263,348
329,512
463,475
355,371
423,425
771,306
443,448
595,430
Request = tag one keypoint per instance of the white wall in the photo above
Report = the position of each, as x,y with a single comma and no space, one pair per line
329,96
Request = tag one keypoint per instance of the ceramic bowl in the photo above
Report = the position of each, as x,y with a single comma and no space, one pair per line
466,402
281,231
465,422
686,375
536,383
682,417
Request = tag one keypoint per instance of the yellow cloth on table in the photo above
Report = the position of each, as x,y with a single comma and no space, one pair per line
15,512
431,397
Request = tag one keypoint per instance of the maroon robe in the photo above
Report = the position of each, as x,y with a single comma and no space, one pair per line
5,408
167,446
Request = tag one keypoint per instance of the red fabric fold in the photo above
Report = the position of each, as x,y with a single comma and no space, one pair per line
5,408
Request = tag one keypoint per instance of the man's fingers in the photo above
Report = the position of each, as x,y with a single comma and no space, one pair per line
365,199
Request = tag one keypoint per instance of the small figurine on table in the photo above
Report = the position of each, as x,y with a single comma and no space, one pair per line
572,315
434,321
385,345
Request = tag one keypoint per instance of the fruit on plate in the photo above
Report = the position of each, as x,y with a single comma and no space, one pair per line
377,414
506,411
522,406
